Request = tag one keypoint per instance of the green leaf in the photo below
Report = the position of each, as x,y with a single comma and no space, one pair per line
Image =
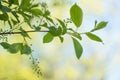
14,22
64,28
55,31
48,38
13,2
14,48
5,45
49,19
34,5
24,33
10,24
76,15
99,26
4,17
26,49
77,35
5,9
61,39
93,37
36,12
36,28
78,48
25,4
15,15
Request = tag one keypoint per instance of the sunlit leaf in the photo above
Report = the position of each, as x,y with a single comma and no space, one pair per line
78,48
48,38
76,15
94,37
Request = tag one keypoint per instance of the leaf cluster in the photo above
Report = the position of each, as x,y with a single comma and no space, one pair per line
19,12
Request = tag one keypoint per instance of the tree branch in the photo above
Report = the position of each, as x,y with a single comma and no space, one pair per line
21,32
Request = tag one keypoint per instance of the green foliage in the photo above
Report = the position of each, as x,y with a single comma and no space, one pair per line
24,11
25,49
93,37
16,47
5,45
99,26
78,48
48,38
76,15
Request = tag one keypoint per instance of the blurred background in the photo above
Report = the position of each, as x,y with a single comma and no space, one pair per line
58,61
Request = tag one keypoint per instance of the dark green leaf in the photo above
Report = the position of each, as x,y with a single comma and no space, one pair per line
76,15
4,17
48,38
36,28
15,15
5,9
10,24
14,22
63,26
5,45
47,13
93,37
49,19
34,5
26,49
15,2
99,26
14,48
53,30
78,48
61,39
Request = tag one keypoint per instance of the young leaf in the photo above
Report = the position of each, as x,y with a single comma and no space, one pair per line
25,49
5,45
76,15
78,48
93,37
48,38
99,26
